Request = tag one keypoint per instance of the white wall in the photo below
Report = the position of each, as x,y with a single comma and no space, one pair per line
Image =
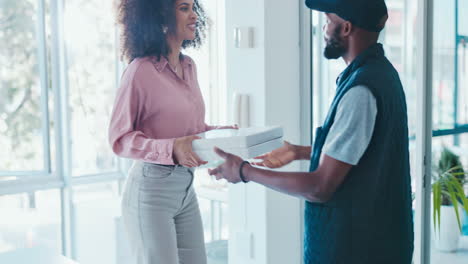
270,74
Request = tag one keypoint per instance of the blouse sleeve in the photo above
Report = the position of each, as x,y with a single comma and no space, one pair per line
124,139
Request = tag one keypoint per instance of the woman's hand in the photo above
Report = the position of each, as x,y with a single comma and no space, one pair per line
278,157
228,127
183,153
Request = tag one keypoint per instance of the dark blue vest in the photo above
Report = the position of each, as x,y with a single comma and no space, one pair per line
368,220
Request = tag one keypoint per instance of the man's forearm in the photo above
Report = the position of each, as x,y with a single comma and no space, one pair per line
304,185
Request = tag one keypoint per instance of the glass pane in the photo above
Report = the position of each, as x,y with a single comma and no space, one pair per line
97,224
205,56
201,56
400,45
463,17
462,65
90,35
449,241
450,65
450,245
30,220
462,95
212,194
444,64
325,72
20,87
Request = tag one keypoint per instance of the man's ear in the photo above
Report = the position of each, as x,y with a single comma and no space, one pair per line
347,28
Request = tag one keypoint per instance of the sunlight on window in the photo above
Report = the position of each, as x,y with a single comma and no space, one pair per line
20,88
90,35
96,210
212,194
30,220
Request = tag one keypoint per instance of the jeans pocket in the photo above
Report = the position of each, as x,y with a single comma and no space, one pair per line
155,171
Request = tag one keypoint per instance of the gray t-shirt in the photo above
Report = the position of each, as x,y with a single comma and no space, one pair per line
352,129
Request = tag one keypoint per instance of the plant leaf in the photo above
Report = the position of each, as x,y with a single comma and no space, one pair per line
454,199
435,196
439,205
461,194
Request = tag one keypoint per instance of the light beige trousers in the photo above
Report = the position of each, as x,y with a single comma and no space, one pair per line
161,215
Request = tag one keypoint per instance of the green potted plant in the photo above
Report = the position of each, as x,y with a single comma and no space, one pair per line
449,199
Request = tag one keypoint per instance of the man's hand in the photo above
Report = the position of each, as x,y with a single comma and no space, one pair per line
278,157
229,170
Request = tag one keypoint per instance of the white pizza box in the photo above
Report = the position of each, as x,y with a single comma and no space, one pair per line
244,142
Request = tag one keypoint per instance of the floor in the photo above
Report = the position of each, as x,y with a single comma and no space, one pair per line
217,252
458,257
36,255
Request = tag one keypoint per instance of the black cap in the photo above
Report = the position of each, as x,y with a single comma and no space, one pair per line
370,15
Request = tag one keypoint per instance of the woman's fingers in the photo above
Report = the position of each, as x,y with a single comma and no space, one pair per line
188,163
228,127
197,159
192,138
262,157
192,160
261,164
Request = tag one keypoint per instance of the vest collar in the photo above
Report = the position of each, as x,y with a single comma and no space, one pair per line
375,50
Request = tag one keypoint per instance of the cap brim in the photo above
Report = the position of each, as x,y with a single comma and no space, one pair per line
321,6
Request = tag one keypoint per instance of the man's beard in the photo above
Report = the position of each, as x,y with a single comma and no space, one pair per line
334,48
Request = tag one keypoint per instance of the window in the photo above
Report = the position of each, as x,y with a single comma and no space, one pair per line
91,77
96,223
23,89
450,108
56,94
212,194
30,220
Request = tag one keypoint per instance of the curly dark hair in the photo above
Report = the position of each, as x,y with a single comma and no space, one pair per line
142,23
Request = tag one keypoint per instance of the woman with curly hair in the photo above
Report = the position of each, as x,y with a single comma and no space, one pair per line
158,111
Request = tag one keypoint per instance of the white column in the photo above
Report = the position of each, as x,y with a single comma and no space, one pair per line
266,226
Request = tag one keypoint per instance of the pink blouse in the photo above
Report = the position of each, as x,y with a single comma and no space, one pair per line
153,107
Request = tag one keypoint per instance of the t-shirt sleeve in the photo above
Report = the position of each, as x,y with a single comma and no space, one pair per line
353,127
